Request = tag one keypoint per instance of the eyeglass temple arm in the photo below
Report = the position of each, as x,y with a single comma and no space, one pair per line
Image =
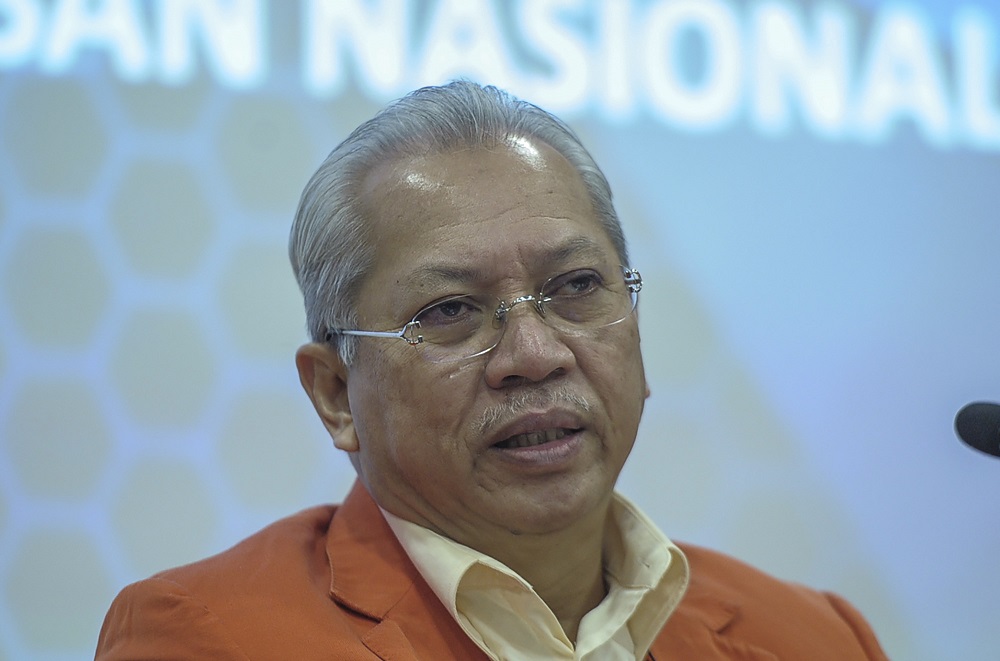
401,333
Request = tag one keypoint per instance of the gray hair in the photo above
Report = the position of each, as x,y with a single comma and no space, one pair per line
329,246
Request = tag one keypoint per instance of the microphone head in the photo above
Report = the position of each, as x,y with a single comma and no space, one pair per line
978,425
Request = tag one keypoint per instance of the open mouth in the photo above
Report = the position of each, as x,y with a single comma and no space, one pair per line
534,438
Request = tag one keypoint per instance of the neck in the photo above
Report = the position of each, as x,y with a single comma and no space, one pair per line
566,569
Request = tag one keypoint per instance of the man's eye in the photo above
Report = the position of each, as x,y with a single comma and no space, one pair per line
450,311
451,308
576,283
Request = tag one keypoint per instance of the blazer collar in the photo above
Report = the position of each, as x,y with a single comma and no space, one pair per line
371,574
360,545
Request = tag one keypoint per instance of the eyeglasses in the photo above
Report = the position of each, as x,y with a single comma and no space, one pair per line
464,326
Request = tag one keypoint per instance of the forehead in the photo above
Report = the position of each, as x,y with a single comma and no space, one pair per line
480,214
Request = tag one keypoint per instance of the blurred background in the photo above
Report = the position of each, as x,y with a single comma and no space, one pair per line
811,191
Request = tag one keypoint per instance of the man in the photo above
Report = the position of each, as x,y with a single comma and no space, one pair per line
476,353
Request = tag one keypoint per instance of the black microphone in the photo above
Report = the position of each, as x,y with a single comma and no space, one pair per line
978,425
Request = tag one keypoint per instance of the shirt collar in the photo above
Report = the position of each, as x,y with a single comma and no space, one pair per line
646,575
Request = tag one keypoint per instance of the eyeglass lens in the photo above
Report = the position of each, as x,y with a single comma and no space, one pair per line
461,327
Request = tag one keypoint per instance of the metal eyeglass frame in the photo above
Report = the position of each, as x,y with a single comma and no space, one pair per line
409,332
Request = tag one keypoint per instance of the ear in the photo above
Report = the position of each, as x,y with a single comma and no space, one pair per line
324,377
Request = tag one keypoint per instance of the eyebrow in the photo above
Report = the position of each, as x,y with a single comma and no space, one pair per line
578,246
431,275
442,274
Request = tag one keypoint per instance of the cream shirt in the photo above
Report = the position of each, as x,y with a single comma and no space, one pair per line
645,572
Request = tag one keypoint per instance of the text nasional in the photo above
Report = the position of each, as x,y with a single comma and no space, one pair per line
771,62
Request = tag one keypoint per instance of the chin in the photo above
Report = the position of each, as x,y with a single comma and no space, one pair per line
556,511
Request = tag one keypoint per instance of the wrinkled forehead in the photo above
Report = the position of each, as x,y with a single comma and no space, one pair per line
469,183
505,169
478,209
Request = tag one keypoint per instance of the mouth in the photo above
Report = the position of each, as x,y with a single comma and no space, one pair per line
534,438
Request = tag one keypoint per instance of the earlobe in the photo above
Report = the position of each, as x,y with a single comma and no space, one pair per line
343,434
324,378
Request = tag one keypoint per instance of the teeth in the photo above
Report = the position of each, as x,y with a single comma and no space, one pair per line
533,438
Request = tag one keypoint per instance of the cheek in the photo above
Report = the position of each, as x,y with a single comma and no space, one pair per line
407,411
618,348
616,372
373,385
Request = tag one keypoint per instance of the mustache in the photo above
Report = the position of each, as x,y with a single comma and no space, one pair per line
521,402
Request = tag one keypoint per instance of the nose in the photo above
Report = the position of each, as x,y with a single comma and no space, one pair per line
529,350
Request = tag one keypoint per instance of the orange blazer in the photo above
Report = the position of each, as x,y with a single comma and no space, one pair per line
333,583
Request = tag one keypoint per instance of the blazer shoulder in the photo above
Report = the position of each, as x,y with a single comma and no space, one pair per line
270,594
746,602
291,541
155,619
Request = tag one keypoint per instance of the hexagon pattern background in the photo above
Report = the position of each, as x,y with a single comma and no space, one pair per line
150,413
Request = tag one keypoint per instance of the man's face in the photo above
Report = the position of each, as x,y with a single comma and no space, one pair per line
434,439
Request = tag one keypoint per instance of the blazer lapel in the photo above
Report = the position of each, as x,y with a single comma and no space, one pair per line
371,574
